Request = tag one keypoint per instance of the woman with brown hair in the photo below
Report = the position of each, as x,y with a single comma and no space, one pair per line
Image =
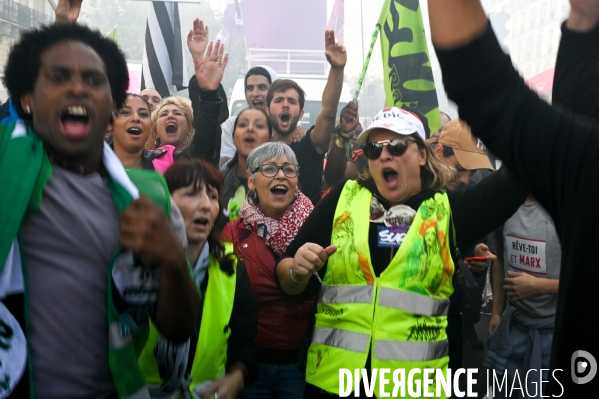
220,358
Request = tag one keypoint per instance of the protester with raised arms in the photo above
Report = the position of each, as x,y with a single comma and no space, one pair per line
285,103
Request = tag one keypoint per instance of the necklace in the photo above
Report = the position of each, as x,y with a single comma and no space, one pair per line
135,165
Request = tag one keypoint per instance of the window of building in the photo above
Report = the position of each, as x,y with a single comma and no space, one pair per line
543,13
533,17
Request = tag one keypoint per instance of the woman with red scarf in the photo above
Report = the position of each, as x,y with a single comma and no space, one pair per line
269,220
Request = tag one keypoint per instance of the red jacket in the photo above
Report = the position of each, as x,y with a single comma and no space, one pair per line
282,319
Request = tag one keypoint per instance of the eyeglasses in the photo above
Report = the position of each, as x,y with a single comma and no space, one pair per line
396,147
270,170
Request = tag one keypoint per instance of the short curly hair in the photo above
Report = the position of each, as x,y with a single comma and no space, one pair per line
184,105
25,59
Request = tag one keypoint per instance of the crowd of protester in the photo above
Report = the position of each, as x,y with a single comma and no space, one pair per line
157,247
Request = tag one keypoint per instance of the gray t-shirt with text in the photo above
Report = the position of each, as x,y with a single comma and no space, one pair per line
531,245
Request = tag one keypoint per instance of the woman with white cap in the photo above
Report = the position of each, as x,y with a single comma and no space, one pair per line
385,288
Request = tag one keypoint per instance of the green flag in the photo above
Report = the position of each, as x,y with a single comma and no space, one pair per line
113,35
406,65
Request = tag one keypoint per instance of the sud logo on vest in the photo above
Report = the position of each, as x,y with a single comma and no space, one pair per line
392,236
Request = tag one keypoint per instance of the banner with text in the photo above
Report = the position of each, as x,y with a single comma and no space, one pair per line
407,69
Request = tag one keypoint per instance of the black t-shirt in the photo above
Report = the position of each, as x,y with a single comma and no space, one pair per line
311,166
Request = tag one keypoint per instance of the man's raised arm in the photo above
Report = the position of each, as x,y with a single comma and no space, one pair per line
325,121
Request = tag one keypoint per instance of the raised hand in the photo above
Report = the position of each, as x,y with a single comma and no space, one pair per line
349,118
197,40
209,72
67,11
334,51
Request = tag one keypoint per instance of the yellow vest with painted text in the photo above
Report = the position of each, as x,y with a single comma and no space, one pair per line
399,317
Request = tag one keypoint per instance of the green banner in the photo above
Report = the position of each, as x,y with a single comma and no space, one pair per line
406,64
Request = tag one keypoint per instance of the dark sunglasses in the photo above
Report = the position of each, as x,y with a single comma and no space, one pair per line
396,147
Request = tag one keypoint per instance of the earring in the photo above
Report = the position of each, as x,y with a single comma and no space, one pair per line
27,109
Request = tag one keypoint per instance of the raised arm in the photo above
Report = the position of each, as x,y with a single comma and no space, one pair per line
584,15
576,86
67,11
197,41
445,32
325,121
521,129
206,104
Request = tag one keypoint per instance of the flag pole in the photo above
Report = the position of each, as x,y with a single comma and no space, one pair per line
375,35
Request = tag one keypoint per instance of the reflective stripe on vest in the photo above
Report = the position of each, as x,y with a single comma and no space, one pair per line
398,317
343,339
414,303
410,351
346,294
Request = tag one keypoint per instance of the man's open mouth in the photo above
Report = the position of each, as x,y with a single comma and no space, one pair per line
75,121
257,103
285,117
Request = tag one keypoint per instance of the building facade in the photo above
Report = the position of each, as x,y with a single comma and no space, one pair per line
17,16
534,31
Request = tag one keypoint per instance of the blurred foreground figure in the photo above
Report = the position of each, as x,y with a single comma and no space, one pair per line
530,136
84,260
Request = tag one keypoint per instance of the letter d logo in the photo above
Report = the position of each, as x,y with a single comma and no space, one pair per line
583,362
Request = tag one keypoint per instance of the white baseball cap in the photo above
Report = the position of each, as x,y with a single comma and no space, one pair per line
396,120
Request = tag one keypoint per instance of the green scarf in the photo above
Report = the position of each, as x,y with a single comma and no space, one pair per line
24,172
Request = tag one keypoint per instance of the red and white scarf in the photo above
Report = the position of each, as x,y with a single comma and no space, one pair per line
277,233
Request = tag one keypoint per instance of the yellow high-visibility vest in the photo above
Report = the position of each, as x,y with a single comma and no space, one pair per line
211,351
399,317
